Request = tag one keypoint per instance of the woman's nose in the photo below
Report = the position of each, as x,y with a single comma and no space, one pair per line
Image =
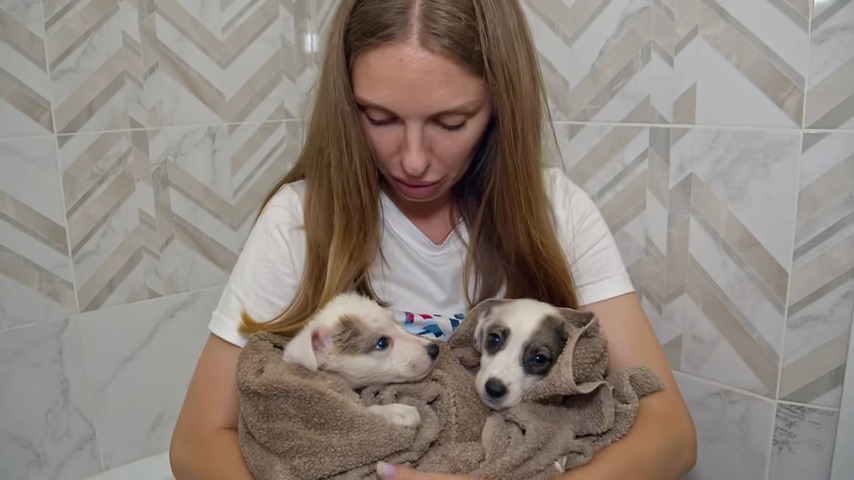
415,160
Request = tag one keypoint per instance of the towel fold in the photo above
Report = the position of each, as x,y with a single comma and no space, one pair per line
295,424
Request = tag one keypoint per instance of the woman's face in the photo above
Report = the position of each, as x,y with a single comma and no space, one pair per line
423,116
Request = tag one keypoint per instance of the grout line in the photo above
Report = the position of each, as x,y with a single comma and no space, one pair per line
58,164
154,299
810,12
732,388
702,127
824,408
794,230
176,127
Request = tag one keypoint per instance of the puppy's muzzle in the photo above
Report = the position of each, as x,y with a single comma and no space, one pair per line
433,351
495,389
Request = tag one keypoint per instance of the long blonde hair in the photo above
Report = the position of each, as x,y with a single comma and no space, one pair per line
502,197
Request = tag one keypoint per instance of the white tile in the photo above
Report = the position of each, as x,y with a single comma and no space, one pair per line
803,443
47,429
733,431
139,359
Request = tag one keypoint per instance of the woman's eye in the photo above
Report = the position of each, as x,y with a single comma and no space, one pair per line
451,127
380,121
382,343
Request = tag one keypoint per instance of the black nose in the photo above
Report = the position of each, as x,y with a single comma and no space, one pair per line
495,389
433,351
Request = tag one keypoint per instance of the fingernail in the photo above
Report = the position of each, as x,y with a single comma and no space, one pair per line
386,470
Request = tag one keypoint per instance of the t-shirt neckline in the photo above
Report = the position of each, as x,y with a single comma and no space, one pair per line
401,225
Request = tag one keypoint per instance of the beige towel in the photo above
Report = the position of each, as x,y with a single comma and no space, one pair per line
300,425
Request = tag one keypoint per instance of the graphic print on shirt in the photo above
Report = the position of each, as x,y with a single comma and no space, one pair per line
433,326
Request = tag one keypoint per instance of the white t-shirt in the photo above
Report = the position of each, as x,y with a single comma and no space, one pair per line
422,281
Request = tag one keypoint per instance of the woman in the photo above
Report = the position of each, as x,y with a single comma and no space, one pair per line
421,183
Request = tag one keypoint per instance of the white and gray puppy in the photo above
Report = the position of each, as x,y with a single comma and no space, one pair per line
358,340
519,341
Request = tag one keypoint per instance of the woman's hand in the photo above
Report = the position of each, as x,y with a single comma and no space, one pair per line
397,472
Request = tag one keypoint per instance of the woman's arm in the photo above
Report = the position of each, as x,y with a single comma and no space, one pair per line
662,443
204,443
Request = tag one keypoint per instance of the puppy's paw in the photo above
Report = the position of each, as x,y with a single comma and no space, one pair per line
398,414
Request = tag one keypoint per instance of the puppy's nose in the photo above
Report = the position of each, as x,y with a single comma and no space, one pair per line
495,388
433,351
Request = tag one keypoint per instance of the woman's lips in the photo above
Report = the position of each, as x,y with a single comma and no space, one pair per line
420,190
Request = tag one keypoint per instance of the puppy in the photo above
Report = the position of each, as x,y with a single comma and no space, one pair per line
358,340
519,342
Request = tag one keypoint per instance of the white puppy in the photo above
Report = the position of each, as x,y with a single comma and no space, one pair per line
519,341
357,339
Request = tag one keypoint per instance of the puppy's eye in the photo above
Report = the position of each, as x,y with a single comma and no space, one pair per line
539,360
494,340
382,343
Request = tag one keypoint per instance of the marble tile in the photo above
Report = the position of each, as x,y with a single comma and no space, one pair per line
821,298
166,211
112,219
227,62
35,268
47,429
217,179
830,94
733,431
803,443
740,63
745,172
94,55
599,59
139,359
24,82
729,254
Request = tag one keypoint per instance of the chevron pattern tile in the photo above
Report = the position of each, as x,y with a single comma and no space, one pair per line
821,295
737,254
830,97
165,211
241,62
119,64
605,61
95,58
36,280
25,88
625,170
740,63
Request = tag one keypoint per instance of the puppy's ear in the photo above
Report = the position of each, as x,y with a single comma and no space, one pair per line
309,347
576,319
479,314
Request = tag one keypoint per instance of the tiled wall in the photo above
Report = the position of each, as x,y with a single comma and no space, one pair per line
137,138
